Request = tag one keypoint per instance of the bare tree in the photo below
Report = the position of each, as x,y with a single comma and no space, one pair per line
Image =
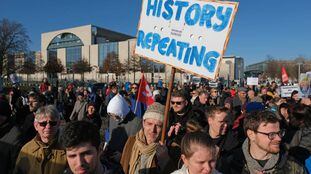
81,67
52,67
273,68
133,64
146,65
112,64
27,68
13,39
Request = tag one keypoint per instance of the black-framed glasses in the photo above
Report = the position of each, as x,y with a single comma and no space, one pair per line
272,135
44,123
176,102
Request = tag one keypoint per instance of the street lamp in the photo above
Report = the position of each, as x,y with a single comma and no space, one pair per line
229,71
299,64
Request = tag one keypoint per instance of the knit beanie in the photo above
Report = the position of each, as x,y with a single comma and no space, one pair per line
155,111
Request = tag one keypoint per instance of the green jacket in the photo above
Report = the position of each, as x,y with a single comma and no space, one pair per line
38,158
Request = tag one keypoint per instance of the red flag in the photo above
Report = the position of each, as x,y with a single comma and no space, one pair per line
144,93
284,75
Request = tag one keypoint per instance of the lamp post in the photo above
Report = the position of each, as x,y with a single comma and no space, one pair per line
299,64
229,72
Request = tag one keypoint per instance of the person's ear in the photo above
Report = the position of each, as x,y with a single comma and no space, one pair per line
250,134
185,160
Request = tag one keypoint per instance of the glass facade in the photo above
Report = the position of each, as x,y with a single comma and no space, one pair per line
52,54
104,49
65,40
73,54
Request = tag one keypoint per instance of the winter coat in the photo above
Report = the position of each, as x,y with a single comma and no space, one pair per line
79,111
184,170
120,130
156,167
10,145
285,164
34,158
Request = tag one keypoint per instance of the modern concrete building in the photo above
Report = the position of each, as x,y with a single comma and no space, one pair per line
87,42
231,67
254,70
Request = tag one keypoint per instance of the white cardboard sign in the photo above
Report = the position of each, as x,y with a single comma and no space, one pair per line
252,81
189,35
286,91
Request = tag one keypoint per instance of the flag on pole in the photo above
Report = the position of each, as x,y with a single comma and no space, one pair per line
284,75
144,93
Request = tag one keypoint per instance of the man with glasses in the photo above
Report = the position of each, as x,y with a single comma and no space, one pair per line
214,99
35,101
261,152
181,111
137,107
44,153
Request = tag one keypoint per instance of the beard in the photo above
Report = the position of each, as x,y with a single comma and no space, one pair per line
272,147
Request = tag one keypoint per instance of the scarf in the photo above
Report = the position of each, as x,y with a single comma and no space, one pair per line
140,148
253,166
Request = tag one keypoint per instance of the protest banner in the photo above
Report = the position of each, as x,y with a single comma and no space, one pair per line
286,91
252,81
188,35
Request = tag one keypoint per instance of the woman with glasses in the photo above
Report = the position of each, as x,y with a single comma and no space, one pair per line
43,154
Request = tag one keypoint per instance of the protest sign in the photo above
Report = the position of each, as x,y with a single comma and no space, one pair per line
286,91
252,81
14,79
305,84
189,35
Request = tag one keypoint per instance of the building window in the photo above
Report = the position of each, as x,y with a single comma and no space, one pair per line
104,49
65,40
52,54
73,54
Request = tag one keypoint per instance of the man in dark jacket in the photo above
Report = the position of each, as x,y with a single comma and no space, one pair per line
219,132
10,143
261,152
202,101
82,142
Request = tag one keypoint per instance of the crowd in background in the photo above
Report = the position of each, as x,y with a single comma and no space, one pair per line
90,129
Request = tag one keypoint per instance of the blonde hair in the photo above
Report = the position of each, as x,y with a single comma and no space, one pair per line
196,138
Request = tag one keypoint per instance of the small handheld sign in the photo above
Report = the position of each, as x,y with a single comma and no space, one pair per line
252,81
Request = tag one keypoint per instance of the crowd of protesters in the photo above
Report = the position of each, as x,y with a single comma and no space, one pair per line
230,130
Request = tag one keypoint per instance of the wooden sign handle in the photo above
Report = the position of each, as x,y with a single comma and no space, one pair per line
167,105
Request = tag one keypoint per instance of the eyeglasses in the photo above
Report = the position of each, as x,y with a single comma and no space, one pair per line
44,123
134,87
177,102
272,135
